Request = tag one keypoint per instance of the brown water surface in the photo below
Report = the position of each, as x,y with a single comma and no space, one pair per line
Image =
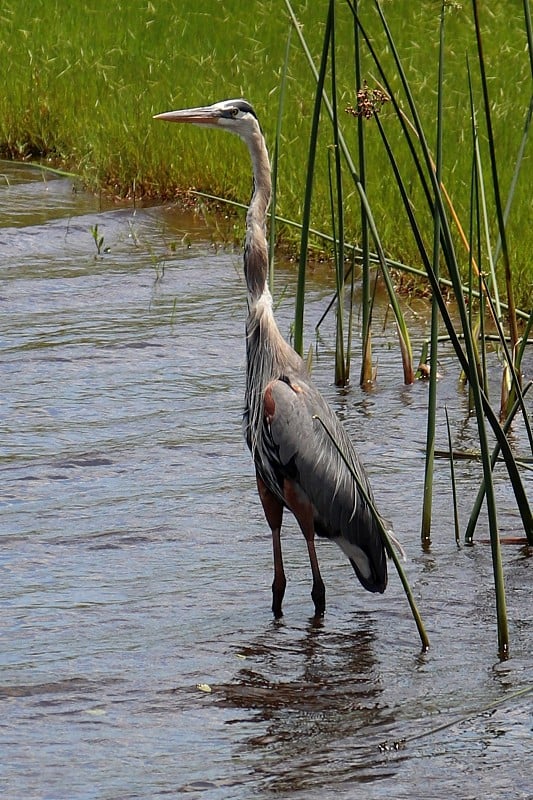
136,565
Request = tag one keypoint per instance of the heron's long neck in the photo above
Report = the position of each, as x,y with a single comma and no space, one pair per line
255,248
268,356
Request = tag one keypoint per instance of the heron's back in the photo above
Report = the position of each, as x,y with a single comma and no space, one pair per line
296,447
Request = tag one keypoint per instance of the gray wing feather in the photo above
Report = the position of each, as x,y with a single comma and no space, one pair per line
301,450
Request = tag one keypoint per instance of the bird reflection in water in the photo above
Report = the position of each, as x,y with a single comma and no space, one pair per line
324,714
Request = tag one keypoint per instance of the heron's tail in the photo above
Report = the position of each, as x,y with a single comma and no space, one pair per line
369,562
372,569
376,582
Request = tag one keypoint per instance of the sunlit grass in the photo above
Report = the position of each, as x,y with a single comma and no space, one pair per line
81,82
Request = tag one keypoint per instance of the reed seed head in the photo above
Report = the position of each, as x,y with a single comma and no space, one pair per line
369,102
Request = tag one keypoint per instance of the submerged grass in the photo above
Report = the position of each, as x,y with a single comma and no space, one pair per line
81,88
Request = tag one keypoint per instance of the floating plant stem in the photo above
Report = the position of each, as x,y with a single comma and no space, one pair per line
454,485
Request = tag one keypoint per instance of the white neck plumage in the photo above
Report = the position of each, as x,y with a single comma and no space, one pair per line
255,246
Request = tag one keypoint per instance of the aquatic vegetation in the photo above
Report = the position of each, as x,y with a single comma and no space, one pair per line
81,93
98,241
436,213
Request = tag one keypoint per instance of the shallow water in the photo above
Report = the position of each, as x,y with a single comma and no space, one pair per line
136,564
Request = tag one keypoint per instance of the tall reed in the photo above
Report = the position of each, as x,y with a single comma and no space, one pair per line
320,95
306,214
427,504
386,538
469,344
275,162
366,373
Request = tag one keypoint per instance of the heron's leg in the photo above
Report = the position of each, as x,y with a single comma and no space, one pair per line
318,592
273,509
303,511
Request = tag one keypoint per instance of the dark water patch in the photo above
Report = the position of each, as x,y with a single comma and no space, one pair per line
71,686
89,461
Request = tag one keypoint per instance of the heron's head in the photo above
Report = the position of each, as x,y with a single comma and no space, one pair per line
236,116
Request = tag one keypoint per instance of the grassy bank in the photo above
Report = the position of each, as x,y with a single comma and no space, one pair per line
81,82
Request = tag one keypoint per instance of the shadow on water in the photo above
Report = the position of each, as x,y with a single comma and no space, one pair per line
135,564
312,714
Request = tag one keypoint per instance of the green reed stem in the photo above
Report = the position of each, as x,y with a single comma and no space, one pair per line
432,398
341,375
350,316
472,522
366,376
529,32
306,215
339,342
481,200
516,173
478,206
510,361
523,341
513,327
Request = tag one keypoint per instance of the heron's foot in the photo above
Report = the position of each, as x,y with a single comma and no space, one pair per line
278,592
318,595
320,611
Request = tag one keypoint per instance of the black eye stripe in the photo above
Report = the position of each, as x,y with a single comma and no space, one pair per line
243,106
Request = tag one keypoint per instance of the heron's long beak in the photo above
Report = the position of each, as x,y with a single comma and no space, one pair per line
206,115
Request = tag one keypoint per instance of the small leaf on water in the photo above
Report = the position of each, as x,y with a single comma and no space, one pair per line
204,687
96,712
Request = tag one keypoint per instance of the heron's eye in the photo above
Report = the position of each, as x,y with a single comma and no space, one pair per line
234,112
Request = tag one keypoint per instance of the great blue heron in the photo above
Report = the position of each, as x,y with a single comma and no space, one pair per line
297,465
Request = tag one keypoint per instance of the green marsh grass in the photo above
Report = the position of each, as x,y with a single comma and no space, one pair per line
81,82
